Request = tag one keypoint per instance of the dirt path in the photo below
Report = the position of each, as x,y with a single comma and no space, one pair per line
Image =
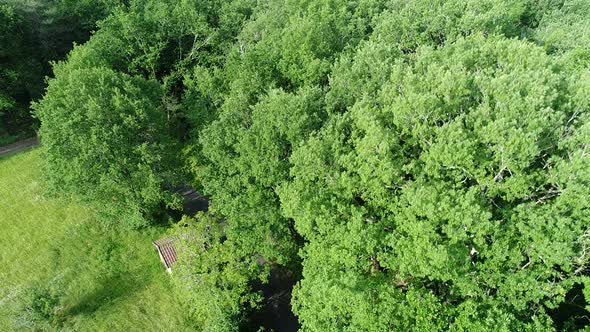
18,146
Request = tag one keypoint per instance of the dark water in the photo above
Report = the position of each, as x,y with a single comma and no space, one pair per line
193,201
275,314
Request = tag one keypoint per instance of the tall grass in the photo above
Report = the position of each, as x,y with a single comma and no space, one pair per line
102,279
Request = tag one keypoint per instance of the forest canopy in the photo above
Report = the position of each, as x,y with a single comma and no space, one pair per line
414,165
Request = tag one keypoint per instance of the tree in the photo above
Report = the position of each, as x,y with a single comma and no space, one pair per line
260,115
563,31
247,159
32,34
435,206
63,23
105,139
211,278
20,73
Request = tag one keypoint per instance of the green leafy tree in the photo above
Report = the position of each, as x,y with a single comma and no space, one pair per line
63,23
20,72
261,116
563,31
247,158
405,25
211,278
435,206
104,136
7,28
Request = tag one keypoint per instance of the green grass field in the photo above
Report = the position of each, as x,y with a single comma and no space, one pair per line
100,280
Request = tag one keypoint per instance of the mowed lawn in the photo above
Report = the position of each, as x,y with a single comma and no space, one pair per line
103,280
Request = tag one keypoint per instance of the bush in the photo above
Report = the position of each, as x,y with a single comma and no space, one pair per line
40,307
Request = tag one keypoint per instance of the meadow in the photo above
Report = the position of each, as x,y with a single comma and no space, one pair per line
62,271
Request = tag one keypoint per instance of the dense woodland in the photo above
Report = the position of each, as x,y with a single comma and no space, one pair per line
414,165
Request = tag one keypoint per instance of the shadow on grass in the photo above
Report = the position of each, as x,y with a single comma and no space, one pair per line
105,293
